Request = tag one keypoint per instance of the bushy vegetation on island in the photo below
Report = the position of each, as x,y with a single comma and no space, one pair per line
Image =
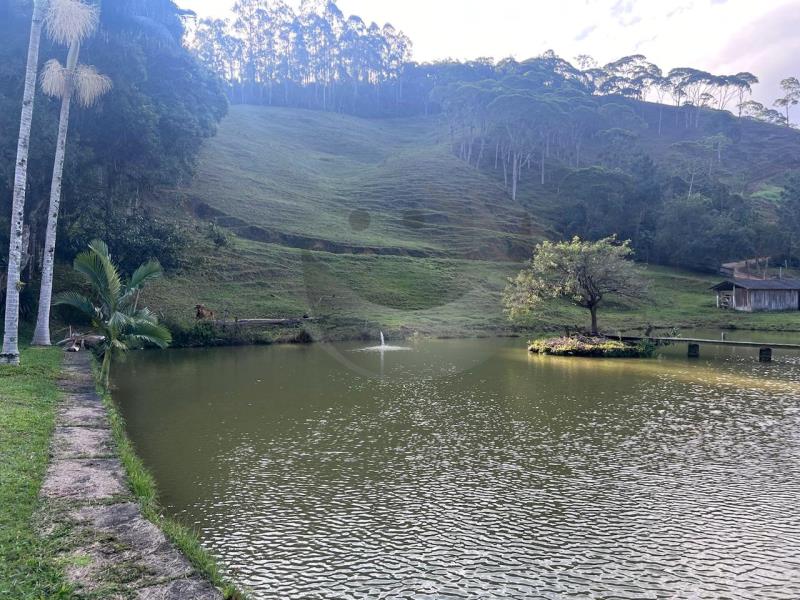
588,346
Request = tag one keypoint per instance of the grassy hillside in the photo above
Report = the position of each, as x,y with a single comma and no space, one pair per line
368,224
331,182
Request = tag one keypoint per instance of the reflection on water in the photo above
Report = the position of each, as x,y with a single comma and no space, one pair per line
470,469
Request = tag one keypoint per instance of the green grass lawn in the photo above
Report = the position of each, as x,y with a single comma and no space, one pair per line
28,398
359,295
676,298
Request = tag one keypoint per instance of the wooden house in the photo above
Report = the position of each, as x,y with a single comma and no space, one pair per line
751,295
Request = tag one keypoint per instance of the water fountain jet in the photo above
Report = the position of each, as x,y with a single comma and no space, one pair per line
384,347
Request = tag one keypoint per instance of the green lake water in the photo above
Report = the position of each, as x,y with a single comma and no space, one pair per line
470,469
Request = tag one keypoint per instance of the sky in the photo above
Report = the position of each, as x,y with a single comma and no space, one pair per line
720,36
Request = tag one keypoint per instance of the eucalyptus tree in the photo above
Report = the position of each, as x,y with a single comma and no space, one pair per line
757,111
523,123
629,76
320,40
744,87
585,62
10,352
298,57
397,54
249,17
208,44
692,161
325,59
791,97
375,51
595,77
466,109
353,55
69,22
677,85
662,87
510,115
728,86
751,109
583,122
696,87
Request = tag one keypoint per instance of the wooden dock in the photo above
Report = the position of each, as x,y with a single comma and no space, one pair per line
765,348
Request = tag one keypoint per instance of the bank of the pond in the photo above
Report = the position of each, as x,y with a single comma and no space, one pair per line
549,322
203,336
89,524
367,294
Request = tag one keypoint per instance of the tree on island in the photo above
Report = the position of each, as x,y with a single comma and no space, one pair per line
581,272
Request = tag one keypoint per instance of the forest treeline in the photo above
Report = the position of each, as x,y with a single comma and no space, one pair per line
318,57
667,177
314,57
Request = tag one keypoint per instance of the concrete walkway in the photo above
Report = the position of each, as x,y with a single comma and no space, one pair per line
110,549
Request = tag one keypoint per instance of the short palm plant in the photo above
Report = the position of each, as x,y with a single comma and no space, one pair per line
113,307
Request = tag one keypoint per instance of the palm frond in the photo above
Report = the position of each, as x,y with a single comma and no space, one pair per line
149,333
149,271
119,344
77,301
70,21
145,315
90,265
90,85
100,248
118,321
53,79
112,279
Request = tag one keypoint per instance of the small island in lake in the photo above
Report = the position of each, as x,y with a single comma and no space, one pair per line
592,346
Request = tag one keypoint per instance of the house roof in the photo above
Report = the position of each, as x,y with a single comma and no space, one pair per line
759,284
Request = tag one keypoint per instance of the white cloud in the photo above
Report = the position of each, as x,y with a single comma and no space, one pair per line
671,33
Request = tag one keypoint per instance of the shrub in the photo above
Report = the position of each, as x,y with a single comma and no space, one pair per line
599,347
133,239
218,235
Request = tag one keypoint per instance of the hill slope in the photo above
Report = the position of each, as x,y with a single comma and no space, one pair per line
375,224
331,182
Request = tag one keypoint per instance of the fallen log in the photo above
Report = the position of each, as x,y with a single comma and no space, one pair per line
76,341
261,322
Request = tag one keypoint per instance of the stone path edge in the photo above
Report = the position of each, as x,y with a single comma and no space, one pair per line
110,550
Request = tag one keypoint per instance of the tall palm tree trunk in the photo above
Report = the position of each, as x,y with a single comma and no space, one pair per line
41,335
10,353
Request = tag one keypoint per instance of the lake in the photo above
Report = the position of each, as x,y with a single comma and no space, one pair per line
470,469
